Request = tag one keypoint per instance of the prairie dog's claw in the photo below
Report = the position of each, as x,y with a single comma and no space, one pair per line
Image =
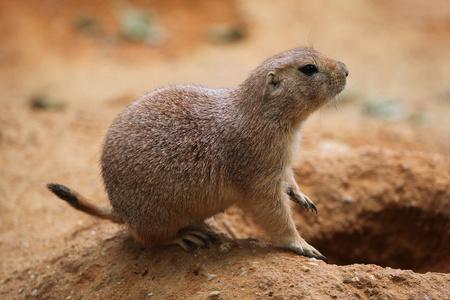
195,237
301,199
303,248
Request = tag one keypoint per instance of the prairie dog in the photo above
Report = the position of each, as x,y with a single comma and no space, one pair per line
181,154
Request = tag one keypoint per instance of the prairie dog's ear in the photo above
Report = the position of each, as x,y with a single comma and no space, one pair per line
272,80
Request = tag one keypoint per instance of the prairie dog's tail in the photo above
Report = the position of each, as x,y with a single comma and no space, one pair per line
79,202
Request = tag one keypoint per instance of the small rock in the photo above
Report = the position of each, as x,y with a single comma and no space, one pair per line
211,277
108,238
291,285
34,293
225,247
305,269
347,198
21,290
150,294
214,295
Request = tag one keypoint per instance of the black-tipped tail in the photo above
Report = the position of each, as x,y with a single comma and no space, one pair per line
65,194
82,204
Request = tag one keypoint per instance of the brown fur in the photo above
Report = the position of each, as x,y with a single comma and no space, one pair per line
181,154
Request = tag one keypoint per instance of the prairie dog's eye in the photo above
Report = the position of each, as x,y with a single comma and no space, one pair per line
308,70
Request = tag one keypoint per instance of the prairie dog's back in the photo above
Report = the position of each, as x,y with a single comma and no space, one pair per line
165,147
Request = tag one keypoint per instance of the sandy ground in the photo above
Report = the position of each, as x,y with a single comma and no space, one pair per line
375,162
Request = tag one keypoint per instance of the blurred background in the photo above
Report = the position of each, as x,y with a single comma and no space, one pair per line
67,68
86,51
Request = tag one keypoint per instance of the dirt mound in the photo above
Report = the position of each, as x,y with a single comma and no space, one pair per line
378,206
372,211
117,268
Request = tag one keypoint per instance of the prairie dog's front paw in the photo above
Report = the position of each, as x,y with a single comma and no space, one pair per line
298,197
305,249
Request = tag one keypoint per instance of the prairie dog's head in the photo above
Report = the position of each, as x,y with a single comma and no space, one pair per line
299,81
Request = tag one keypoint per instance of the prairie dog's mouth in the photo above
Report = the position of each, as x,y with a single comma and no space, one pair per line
337,85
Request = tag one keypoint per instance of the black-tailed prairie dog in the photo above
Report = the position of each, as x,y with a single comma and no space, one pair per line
181,154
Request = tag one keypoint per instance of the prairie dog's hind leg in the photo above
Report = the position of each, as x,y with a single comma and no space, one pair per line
198,235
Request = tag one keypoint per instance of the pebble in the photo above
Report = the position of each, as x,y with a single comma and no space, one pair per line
108,238
214,295
34,293
211,277
225,247
305,269
347,198
21,290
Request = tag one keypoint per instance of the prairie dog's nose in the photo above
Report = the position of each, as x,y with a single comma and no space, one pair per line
343,67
